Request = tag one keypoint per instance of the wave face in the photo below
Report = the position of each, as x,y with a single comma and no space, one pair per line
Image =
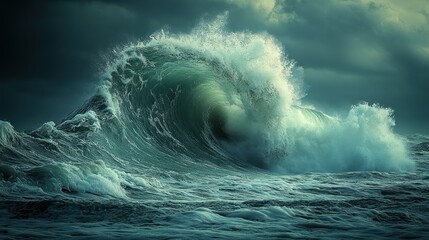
202,131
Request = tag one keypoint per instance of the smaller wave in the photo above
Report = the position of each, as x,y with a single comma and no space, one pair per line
94,178
7,134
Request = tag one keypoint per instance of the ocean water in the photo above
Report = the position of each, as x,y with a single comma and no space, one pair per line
203,135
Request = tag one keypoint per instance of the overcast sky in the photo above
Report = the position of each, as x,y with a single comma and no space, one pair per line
351,51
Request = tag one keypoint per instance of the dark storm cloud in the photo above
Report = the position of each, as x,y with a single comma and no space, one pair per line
351,51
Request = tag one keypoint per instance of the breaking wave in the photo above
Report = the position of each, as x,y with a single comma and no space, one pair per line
211,99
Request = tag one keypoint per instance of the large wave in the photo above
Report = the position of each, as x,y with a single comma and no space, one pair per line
211,98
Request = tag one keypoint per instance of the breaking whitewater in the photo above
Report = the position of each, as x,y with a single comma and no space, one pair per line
203,135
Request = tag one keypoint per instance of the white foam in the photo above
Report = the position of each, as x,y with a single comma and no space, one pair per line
362,141
87,121
92,177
